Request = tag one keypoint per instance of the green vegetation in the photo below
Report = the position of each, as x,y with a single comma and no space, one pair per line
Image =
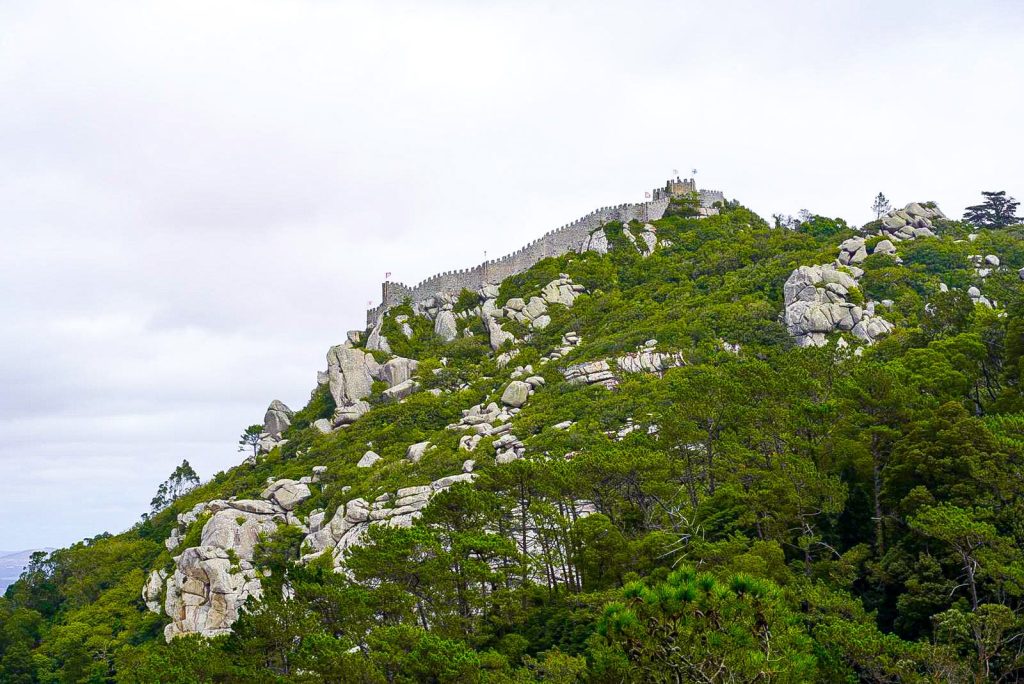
779,514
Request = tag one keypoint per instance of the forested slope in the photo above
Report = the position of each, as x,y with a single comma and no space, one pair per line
739,509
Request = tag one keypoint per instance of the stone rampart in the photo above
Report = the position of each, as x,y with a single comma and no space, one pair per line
571,237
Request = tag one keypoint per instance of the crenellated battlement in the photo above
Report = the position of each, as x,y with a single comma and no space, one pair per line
571,237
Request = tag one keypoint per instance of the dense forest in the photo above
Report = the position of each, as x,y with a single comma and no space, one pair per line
762,512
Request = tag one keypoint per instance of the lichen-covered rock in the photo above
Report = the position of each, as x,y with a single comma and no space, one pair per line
816,305
516,394
287,493
397,370
400,391
351,373
445,326
495,334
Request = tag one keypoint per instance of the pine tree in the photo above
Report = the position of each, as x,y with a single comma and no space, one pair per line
881,206
250,439
997,211
183,480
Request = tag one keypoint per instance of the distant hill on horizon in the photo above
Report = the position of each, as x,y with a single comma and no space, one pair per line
12,563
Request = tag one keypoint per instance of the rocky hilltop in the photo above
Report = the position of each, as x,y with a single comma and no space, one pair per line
669,438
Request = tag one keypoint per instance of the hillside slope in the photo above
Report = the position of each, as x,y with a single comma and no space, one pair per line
702,449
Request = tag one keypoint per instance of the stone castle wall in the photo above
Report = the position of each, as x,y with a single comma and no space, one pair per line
571,237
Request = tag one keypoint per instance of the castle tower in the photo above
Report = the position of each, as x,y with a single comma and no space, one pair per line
676,188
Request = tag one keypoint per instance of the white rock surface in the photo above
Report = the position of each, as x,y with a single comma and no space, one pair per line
368,459
415,452
516,394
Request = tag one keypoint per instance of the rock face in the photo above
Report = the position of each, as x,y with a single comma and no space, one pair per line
597,242
817,300
152,588
208,585
816,305
211,581
351,373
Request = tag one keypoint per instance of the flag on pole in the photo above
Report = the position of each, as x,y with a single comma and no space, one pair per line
387,275
647,195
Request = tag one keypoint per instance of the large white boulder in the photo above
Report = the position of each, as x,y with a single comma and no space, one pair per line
445,326
415,452
397,370
277,419
516,394
351,373
368,459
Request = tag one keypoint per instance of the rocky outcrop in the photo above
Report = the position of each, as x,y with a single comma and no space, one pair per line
287,493
377,342
534,311
212,580
152,588
816,304
351,373
277,418
495,334
351,521
275,421
645,360
397,370
591,373
400,391
911,222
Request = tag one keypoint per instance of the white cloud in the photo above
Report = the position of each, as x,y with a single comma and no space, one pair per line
200,197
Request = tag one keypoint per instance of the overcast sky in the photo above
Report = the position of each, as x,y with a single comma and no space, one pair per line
198,198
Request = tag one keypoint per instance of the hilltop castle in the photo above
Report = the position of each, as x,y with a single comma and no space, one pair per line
572,237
